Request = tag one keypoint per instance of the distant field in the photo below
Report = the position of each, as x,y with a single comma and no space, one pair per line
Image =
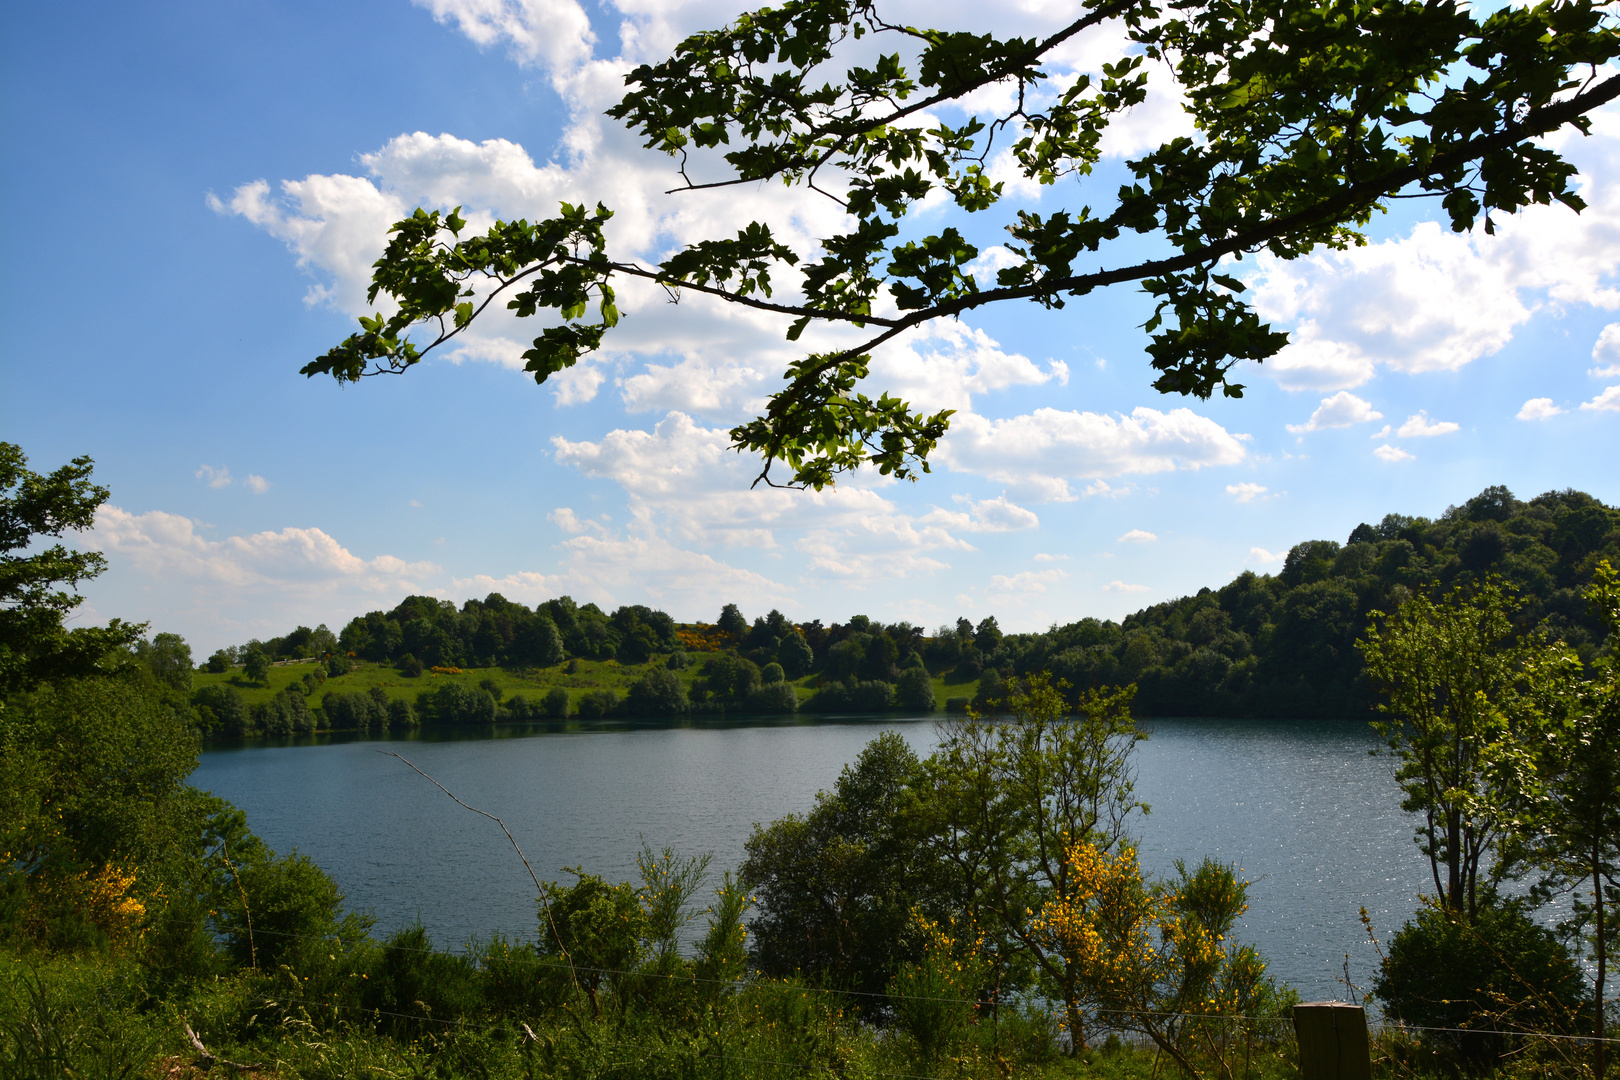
533,684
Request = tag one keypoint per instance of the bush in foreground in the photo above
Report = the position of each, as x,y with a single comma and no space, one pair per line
1498,971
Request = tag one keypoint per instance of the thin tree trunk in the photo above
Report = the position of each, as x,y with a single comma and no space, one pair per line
1598,1055
1077,1034
1168,1046
1454,883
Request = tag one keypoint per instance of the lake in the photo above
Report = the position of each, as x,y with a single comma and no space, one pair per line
1313,821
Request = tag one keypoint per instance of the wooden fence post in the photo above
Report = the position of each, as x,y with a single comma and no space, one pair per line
1333,1041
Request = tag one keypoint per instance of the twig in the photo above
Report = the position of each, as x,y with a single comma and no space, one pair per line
253,951
208,1059
540,889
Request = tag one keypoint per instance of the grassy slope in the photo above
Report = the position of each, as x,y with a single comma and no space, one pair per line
533,683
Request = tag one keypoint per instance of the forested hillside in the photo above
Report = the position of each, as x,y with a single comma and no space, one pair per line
1262,645
1283,645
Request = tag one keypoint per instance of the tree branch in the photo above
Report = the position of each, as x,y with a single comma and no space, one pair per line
539,889
1364,193
848,129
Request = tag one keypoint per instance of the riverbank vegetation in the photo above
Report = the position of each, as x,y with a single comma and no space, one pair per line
976,913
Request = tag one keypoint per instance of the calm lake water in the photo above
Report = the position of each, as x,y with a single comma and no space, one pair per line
1313,820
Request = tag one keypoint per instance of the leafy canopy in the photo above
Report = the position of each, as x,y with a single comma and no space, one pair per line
1309,117
1451,671
38,584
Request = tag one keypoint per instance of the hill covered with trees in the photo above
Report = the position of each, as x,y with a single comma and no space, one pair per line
1283,645
1262,645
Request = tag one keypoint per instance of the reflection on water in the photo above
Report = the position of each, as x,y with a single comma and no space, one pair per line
1300,806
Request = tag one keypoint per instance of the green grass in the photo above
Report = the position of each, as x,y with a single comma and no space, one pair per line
944,691
99,1016
531,683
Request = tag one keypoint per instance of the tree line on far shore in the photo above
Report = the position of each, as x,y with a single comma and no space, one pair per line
1262,646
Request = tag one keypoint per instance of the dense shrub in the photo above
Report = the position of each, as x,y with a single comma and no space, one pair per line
538,643
597,704
285,714
776,697
1498,971
854,696
519,709
660,692
291,905
416,984
220,710
795,655
730,678
453,703
914,691
401,714
356,712
992,691
555,703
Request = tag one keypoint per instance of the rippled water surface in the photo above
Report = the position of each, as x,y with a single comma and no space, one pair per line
1301,807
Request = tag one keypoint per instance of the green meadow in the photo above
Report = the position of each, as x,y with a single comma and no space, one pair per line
531,683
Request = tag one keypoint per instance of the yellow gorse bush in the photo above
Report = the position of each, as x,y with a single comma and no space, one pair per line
105,897
1156,957
1102,919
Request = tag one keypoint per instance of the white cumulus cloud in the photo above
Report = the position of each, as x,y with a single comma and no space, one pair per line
1608,401
1014,589
1040,452
612,570
1420,426
1122,587
1391,452
685,483
170,546
945,364
256,484
1539,408
1606,351
1246,491
1137,536
214,476
1426,302
556,33
228,589
1435,300
1263,557
996,515
1341,410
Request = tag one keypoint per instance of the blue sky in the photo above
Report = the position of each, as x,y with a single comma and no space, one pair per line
196,190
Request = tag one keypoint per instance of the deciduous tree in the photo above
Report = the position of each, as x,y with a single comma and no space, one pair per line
837,886
1010,799
1569,823
1449,671
38,589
